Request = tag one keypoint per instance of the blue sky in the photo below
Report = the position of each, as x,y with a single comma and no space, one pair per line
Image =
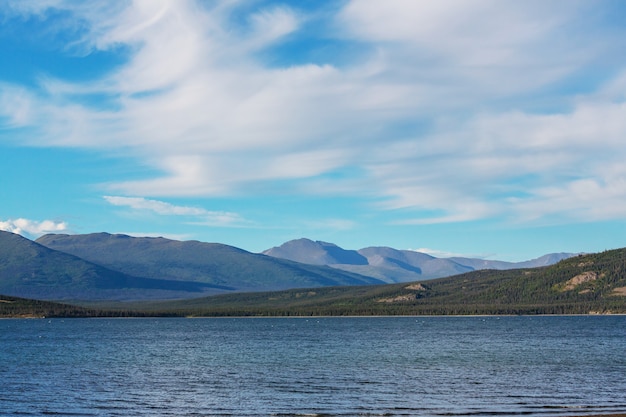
488,128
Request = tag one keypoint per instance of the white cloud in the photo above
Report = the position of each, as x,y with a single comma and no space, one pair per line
472,47
32,228
436,253
196,102
271,25
445,254
331,224
200,215
16,106
514,165
172,236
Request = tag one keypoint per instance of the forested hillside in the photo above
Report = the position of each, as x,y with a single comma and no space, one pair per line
24,308
584,284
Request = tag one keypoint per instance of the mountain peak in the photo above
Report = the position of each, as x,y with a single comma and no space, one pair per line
315,253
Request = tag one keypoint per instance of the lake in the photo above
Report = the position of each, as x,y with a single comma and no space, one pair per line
375,366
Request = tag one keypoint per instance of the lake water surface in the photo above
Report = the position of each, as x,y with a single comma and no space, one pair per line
382,366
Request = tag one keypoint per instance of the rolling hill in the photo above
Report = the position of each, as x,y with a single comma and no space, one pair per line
28,269
392,265
218,268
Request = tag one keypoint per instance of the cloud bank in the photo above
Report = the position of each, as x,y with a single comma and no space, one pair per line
32,228
448,111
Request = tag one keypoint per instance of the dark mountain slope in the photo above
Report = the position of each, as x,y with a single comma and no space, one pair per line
208,263
316,253
28,269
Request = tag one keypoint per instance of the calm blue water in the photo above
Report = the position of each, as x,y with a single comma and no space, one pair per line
405,366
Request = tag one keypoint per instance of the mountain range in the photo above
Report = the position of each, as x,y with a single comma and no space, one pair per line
103,266
585,284
392,265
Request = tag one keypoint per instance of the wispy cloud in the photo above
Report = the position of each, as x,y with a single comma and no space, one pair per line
445,254
331,224
199,215
172,236
32,228
468,109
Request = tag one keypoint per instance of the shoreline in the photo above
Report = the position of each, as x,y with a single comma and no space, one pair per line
31,317
593,415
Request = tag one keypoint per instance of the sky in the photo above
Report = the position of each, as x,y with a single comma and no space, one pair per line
483,128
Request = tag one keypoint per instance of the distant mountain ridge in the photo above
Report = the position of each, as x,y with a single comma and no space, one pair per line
103,266
215,267
393,265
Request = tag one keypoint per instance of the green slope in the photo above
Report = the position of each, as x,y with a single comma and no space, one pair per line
558,289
